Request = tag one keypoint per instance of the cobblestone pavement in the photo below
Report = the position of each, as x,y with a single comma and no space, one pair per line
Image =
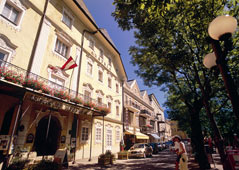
165,160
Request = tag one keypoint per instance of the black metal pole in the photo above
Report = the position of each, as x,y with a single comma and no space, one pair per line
77,124
228,81
103,136
91,136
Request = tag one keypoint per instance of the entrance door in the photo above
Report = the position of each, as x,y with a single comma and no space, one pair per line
47,146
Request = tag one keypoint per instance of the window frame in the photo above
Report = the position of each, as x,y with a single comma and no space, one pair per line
84,135
89,62
98,133
67,53
91,43
19,7
69,15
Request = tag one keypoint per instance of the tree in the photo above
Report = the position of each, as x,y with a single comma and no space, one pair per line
171,38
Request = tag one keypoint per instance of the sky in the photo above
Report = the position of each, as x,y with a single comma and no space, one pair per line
101,11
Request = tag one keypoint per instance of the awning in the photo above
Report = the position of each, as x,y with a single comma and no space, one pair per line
141,136
155,136
128,132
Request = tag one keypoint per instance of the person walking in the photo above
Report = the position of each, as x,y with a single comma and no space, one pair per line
182,159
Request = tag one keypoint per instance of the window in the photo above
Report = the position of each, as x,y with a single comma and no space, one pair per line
91,43
108,137
101,54
109,82
117,88
100,76
84,133
98,134
67,19
87,96
3,57
58,81
61,48
11,13
89,68
109,61
117,110
117,135
109,105
99,100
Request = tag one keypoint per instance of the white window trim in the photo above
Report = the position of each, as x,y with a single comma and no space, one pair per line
63,38
19,6
101,59
109,127
6,46
117,105
102,70
91,39
98,126
117,129
89,60
85,141
70,15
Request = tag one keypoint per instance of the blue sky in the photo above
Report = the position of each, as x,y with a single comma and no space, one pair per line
101,11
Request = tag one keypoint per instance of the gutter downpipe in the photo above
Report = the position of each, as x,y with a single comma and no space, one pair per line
81,52
29,67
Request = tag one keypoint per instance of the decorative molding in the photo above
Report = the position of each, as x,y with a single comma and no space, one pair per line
88,85
117,101
8,46
109,97
100,91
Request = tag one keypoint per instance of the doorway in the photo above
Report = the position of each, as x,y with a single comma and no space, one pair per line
47,146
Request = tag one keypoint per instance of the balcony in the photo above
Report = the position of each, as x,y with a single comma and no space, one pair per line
145,113
44,90
147,129
132,106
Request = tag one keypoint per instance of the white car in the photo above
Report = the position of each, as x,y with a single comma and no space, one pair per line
140,150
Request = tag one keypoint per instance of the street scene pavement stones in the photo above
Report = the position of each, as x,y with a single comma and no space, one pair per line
165,160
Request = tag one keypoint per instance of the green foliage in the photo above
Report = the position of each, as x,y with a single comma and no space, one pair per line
171,41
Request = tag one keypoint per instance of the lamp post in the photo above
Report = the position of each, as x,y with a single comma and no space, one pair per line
221,29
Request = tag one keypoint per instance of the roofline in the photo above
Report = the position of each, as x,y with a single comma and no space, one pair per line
78,5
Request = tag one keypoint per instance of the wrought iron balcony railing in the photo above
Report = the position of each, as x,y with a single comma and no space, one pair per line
17,75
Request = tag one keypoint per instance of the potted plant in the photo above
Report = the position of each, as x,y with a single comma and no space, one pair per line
107,158
11,76
89,104
32,83
46,89
123,155
77,100
61,94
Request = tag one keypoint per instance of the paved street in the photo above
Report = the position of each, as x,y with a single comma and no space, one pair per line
164,160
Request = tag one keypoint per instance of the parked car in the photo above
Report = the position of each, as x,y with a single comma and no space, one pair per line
140,150
154,147
160,146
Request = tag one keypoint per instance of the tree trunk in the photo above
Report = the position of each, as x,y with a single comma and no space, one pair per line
197,140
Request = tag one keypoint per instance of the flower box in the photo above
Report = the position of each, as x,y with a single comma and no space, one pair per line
123,155
77,100
33,84
89,104
61,94
11,76
106,159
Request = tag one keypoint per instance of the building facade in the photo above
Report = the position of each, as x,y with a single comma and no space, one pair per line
140,115
47,105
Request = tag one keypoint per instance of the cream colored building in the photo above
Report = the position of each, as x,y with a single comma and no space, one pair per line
36,39
168,131
158,120
176,131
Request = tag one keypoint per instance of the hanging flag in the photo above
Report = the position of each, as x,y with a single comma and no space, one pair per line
70,63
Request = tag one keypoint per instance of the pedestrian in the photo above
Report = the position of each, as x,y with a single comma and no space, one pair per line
182,159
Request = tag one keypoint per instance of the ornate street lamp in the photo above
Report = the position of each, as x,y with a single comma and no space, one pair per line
221,29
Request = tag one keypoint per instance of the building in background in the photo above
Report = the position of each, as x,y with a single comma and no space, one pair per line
176,130
158,120
168,131
48,105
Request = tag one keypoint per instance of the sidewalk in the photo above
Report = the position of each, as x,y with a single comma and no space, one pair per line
214,166
163,161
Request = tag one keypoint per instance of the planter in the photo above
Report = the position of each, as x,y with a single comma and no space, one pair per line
123,155
104,161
